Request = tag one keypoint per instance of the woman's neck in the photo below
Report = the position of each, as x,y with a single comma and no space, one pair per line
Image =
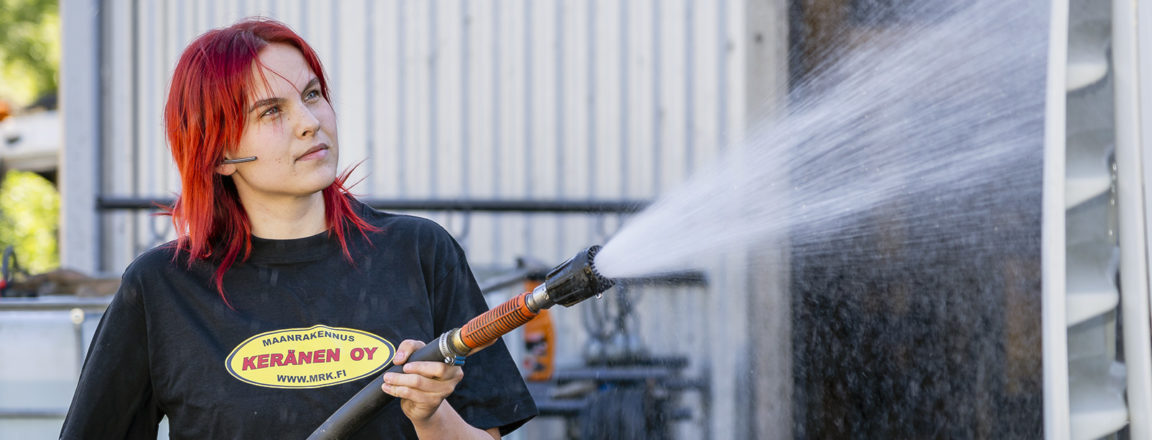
284,219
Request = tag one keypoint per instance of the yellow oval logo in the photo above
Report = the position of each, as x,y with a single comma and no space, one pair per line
313,357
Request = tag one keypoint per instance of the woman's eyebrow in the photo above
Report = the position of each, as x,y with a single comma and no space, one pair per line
264,102
275,100
311,83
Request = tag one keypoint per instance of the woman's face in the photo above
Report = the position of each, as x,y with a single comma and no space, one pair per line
289,127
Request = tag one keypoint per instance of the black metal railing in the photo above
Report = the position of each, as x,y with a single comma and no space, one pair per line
534,206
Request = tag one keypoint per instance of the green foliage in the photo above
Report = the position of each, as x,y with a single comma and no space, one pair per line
29,49
29,215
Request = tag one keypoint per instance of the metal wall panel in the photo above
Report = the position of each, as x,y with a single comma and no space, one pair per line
458,99
488,99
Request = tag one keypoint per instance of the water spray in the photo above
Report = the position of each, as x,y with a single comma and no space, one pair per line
567,284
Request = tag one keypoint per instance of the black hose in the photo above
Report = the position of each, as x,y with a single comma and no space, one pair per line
365,404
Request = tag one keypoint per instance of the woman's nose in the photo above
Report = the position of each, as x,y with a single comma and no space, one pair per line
307,123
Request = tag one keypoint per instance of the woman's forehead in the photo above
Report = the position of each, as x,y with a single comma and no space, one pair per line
280,69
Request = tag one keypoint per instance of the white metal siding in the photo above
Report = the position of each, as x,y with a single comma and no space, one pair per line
514,99
455,99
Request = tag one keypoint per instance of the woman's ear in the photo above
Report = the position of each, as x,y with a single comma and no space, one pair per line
225,169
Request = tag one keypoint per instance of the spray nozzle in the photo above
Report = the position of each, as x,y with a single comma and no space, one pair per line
573,281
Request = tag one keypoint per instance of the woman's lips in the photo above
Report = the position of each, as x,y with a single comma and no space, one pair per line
318,152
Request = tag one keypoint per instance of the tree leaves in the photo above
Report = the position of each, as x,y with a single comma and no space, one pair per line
29,219
29,49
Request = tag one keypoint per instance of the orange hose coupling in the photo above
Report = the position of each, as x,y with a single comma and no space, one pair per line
486,328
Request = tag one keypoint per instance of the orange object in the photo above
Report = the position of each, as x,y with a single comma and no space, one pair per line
489,326
539,345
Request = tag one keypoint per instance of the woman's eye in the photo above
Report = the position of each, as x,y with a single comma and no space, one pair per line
272,111
312,95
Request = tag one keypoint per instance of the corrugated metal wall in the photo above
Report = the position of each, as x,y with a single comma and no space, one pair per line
459,99
516,99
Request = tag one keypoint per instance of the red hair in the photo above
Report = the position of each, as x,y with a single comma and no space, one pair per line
204,117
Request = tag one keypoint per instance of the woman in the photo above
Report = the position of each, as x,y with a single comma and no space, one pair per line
282,294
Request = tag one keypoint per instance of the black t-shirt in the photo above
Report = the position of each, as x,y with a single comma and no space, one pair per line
308,329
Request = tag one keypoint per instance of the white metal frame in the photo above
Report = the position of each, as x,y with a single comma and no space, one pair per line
1130,206
1055,336
1126,72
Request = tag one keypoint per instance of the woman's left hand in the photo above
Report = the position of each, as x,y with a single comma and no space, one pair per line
423,386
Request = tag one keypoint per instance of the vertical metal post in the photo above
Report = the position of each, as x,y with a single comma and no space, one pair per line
79,158
765,38
1052,272
77,316
1129,194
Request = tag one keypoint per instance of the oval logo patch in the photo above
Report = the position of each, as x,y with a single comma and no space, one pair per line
312,357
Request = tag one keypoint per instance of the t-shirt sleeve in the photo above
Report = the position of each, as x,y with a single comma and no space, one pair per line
492,393
114,398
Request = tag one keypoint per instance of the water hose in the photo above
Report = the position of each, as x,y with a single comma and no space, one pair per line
567,284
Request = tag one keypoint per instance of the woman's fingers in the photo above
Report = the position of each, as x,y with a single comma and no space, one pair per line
425,382
434,370
423,386
428,377
405,349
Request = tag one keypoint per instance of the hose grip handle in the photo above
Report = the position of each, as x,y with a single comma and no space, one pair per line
489,326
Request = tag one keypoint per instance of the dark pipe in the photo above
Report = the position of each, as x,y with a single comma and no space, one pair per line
462,205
